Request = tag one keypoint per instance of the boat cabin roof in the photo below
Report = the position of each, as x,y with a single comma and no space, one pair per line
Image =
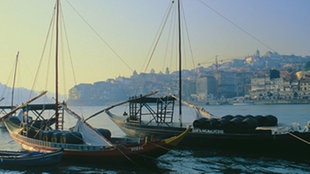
40,107
33,107
151,99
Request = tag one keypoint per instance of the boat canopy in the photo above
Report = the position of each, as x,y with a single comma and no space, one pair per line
161,109
139,99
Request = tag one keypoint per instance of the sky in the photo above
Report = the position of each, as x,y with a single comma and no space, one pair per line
112,38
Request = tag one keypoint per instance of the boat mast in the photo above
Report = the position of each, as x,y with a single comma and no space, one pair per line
180,65
56,62
13,87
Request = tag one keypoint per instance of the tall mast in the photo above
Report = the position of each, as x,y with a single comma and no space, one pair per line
13,87
56,62
180,64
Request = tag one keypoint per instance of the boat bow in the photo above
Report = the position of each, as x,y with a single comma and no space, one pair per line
175,140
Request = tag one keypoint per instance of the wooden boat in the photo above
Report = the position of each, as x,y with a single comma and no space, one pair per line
82,141
26,158
155,116
246,134
85,142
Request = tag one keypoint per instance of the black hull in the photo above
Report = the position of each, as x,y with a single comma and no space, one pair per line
261,143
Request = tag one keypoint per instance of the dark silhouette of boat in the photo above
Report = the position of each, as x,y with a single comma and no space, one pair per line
82,141
246,134
27,158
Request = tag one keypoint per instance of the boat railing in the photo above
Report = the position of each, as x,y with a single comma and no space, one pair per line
55,145
33,141
84,147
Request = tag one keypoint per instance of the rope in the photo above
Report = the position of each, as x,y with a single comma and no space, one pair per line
159,34
127,157
100,37
297,137
237,26
165,148
43,52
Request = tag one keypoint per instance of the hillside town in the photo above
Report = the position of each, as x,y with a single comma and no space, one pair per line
270,78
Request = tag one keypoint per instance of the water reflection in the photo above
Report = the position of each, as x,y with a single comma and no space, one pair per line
186,161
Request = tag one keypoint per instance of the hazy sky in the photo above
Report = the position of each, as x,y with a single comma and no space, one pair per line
223,28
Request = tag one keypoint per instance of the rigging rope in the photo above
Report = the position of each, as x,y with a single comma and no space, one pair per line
100,37
297,137
44,47
62,27
188,39
237,26
171,40
49,56
7,82
69,50
126,156
170,37
159,34
49,39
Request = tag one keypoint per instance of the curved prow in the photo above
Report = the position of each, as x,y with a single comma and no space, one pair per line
175,140
118,120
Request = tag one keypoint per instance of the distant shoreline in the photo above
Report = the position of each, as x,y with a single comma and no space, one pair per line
258,102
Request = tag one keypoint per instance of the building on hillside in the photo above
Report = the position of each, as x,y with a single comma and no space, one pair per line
270,90
205,86
226,84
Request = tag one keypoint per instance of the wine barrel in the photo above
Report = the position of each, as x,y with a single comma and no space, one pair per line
68,137
227,117
56,136
239,116
270,120
214,123
235,123
249,123
224,123
47,136
201,123
260,120
105,132
197,124
14,120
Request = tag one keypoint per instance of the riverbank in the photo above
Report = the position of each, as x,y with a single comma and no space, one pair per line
255,102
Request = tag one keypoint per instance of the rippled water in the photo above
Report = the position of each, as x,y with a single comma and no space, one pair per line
183,160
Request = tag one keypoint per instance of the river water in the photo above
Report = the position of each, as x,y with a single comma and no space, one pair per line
183,160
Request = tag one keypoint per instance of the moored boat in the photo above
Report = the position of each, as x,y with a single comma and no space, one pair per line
155,116
82,141
26,158
251,134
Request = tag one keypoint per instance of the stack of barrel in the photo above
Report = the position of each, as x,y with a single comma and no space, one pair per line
58,136
238,123
65,137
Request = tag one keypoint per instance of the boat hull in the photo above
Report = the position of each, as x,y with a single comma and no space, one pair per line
148,148
260,142
11,158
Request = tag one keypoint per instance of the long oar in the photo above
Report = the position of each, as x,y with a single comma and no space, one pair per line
23,105
195,107
118,104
